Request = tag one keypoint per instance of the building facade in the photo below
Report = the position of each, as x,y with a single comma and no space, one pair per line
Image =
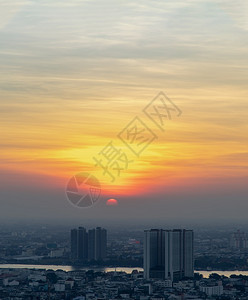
91,245
239,240
168,254
97,244
74,243
82,244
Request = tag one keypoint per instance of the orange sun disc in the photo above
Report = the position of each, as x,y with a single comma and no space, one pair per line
112,202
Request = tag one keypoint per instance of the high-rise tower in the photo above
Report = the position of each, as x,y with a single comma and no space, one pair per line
168,254
97,241
79,244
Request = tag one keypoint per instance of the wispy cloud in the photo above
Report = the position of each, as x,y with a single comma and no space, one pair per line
73,74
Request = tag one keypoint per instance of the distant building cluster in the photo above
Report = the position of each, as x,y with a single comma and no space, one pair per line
30,284
239,240
168,254
89,245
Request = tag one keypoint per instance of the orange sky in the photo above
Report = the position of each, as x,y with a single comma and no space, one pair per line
204,142
73,75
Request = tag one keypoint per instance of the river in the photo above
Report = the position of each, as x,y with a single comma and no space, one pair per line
104,269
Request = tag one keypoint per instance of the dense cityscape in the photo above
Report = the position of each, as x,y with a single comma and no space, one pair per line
123,150
98,263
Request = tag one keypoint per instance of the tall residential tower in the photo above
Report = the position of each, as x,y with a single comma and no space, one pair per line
168,254
97,244
79,244
91,245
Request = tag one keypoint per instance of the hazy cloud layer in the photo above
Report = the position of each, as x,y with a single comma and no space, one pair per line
73,74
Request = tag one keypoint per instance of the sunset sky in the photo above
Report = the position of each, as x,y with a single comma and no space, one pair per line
74,73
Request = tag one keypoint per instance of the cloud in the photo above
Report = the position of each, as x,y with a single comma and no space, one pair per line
73,73
237,10
8,10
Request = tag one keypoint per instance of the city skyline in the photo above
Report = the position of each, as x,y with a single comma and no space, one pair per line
123,149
